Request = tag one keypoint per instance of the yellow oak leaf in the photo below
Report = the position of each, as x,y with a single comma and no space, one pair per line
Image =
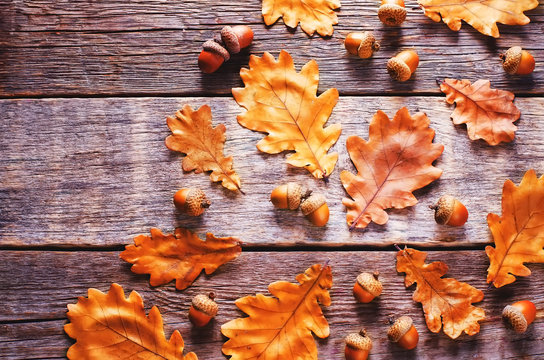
445,301
313,15
283,103
110,326
281,327
193,134
481,15
519,233
181,256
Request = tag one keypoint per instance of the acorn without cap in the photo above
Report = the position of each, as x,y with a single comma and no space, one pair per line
367,287
517,61
358,345
191,201
402,66
392,12
315,209
403,332
450,211
288,196
203,309
520,315
362,44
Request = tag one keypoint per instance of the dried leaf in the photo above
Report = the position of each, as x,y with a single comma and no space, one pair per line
396,160
313,15
519,233
181,256
193,134
110,326
283,103
488,113
281,327
445,301
481,15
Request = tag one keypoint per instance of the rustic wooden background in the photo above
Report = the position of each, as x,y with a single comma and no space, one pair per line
85,87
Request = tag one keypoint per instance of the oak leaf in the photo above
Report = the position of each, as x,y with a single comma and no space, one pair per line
519,232
396,160
283,103
181,256
313,15
110,326
488,113
193,135
481,15
281,327
445,301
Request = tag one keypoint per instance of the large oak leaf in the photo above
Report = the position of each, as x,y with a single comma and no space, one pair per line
181,256
519,232
281,327
283,103
445,301
313,15
193,134
481,15
488,113
110,326
396,160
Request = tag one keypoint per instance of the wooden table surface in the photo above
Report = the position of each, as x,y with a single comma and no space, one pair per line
85,87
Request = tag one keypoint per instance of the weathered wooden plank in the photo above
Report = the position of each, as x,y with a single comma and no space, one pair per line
40,285
95,172
52,48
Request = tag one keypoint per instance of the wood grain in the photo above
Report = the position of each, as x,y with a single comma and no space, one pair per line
96,172
53,48
45,282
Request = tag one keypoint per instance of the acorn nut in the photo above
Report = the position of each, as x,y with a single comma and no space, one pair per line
215,52
520,315
367,287
402,66
358,345
362,44
392,12
191,201
517,61
288,196
203,309
403,332
315,209
450,211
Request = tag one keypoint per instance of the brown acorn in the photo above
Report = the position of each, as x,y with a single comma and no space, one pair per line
520,315
362,44
517,61
402,66
236,38
450,211
315,209
358,345
215,52
392,12
367,287
203,309
403,332
191,201
289,196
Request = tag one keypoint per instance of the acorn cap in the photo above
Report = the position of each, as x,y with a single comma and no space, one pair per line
205,304
399,328
370,283
368,45
392,14
444,209
398,69
213,46
295,192
196,201
512,59
312,203
359,341
230,40
516,318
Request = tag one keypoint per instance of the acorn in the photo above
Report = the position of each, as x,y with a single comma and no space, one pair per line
315,209
450,211
203,309
191,201
289,196
517,61
520,315
402,66
367,287
236,38
362,44
392,12
403,332
215,52
358,345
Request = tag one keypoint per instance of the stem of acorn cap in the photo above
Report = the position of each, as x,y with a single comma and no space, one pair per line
211,295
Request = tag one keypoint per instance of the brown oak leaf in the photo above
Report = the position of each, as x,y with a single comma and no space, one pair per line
313,15
488,113
396,160
110,326
481,15
519,232
283,103
181,256
281,327
193,134
445,301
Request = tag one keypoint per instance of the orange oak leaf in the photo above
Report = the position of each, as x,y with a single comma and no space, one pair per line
481,15
396,160
488,113
181,256
283,103
193,134
110,326
313,15
445,301
519,232
281,327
